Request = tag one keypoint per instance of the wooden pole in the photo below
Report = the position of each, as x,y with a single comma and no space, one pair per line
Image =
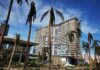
8,68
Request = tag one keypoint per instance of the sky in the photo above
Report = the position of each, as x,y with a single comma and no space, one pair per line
86,10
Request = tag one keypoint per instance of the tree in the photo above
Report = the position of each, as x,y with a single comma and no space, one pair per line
51,23
43,54
30,19
87,47
77,31
71,36
96,48
90,39
16,42
8,17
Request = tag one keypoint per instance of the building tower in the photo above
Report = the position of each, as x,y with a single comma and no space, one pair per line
61,46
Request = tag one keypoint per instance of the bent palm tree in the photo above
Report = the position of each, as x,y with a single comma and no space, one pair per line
87,47
16,42
96,48
78,33
51,23
30,19
90,38
71,36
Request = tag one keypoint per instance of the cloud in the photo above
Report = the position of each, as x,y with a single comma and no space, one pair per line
19,16
74,12
39,14
2,14
19,13
70,12
86,27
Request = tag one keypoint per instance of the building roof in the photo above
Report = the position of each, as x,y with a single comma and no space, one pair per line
75,18
8,40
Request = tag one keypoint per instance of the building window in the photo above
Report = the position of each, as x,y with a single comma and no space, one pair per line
55,47
55,39
56,31
46,38
55,52
59,46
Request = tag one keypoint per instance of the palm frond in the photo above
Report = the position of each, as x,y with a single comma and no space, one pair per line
70,36
98,41
79,32
85,46
44,15
78,29
19,2
32,13
60,14
18,39
52,17
95,43
27,2
90,37
79,24
97,50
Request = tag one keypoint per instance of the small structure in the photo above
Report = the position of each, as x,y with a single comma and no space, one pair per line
19,54
10,41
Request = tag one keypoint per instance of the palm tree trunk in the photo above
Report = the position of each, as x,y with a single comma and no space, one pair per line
90,58
8,68
83,62
75,45
20,57
7,20
27,48
49,44
95,60
49,40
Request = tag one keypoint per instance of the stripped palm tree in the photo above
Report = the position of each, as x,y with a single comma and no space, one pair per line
31,18
79,35
87,47
77,31
8,17
96,48
39,57
43,53
71,36
16,42
90,39
51,23
98,53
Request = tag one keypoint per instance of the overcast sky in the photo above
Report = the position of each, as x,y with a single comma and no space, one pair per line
86,10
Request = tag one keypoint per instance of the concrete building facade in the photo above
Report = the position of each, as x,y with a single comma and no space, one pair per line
61,46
